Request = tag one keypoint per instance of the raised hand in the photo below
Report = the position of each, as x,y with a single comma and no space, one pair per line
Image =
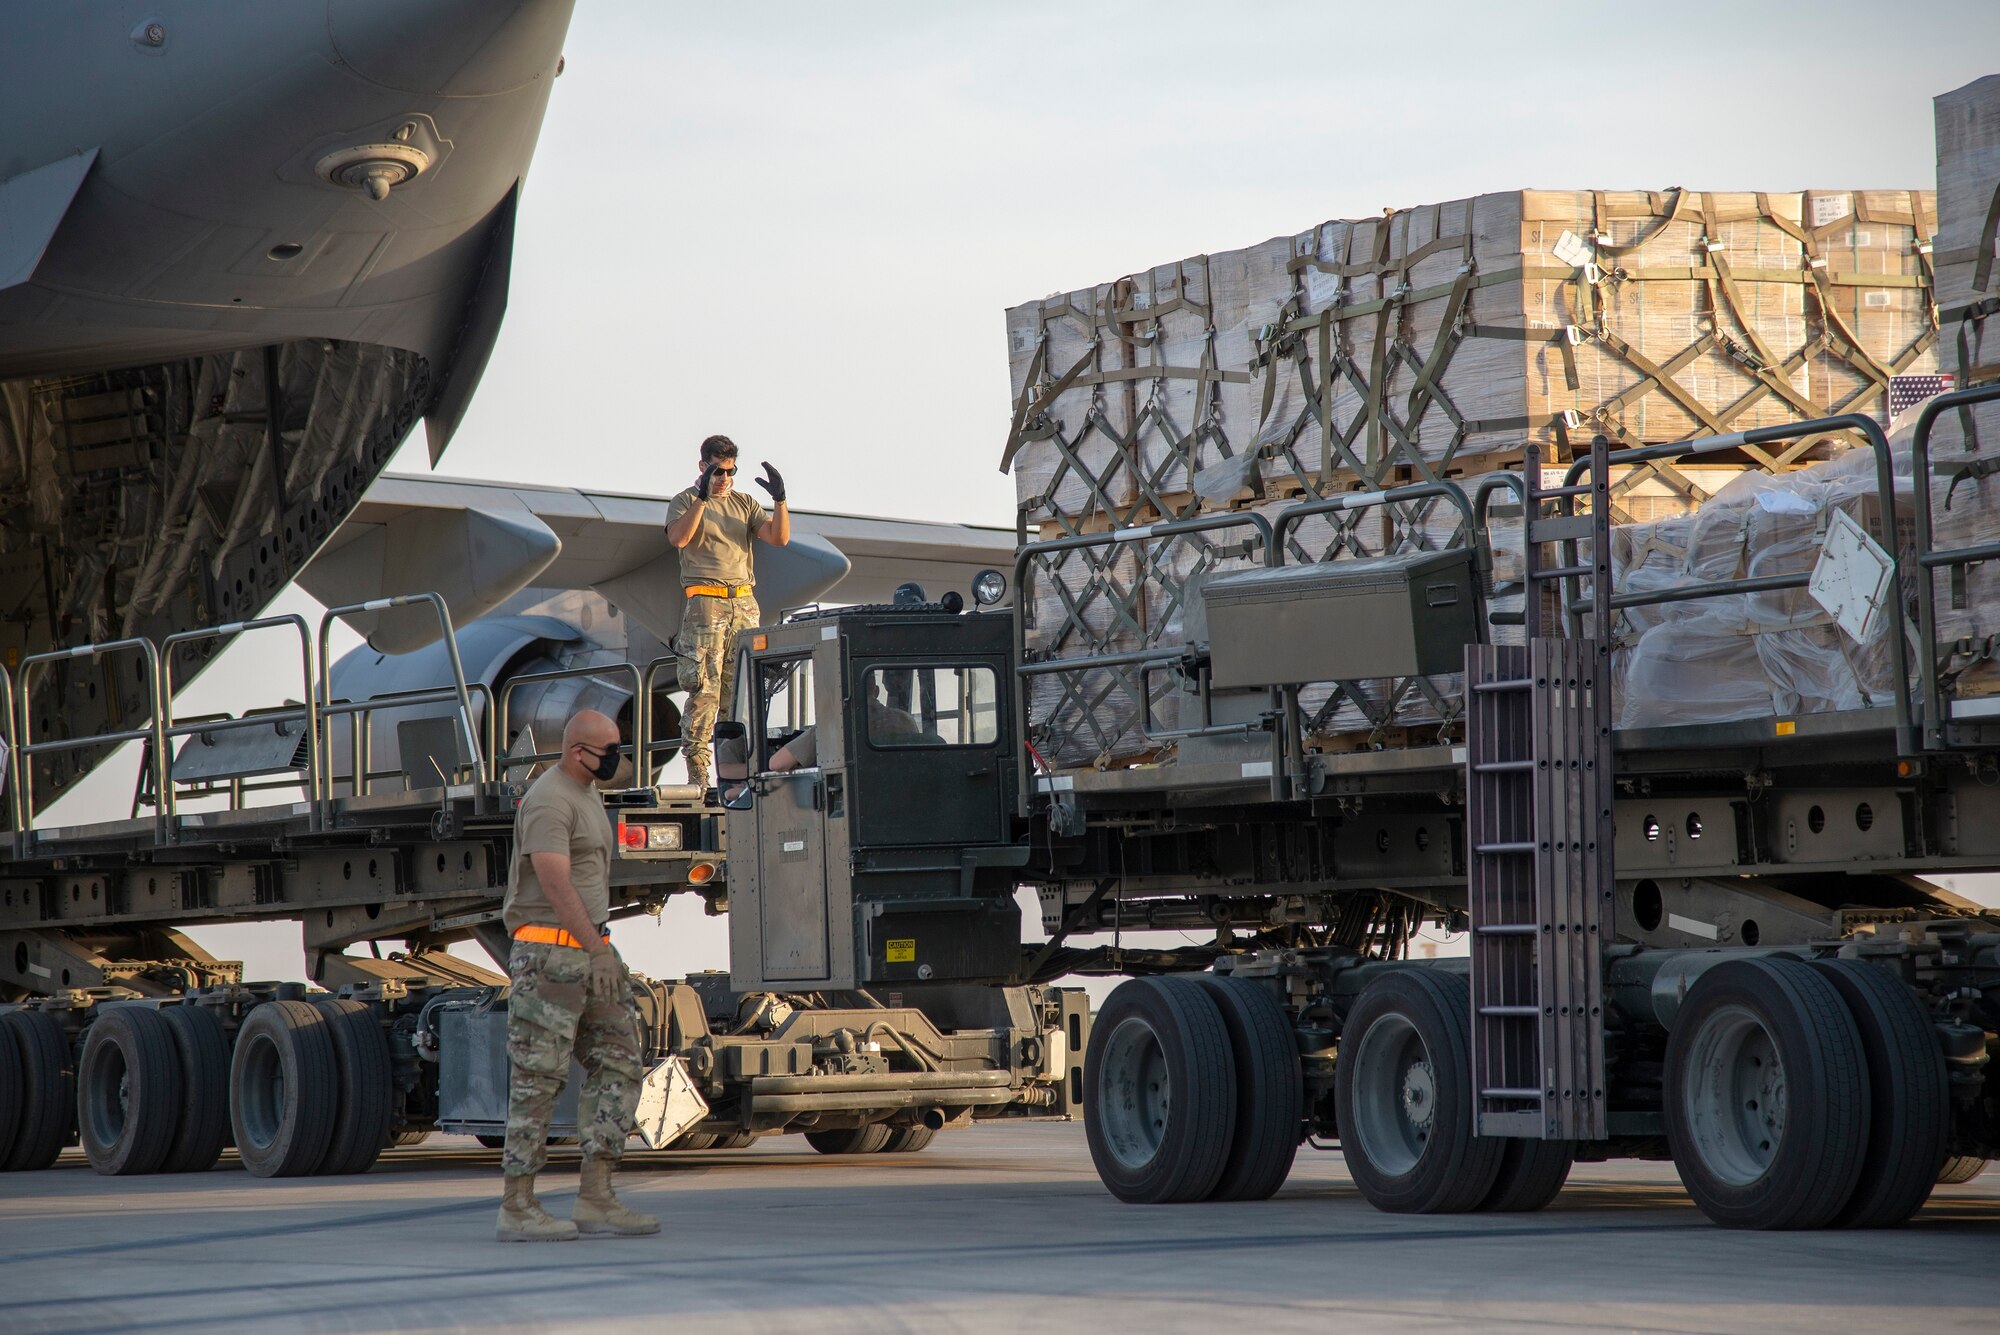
773,482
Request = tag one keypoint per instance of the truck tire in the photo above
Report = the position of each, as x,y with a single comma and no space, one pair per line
284,1081
1960,1168
492,1142
408,1136
128,1091
204,1119
362,1114
908,1140
1532,1172
11,1095
1909,1095
735,1140
48,1090
1159,1092
1270,1090
1766,1095
694,1140
1403,1097
850,1140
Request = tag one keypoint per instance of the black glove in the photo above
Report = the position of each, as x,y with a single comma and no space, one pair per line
775,484
701,487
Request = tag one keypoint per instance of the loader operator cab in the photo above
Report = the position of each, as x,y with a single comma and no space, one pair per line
868,785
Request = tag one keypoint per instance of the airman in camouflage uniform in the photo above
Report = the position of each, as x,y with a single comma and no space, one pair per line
713,524
569,994
550,1020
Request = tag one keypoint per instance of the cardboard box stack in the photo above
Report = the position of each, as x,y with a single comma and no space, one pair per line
1433,342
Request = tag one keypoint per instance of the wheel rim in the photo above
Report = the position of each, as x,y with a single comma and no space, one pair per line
261,1097
1395,1095
1735,1098
1134,1093
107,1094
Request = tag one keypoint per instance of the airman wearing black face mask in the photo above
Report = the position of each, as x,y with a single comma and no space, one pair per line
569,994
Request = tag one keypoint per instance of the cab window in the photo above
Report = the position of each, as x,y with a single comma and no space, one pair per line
785,692
932,706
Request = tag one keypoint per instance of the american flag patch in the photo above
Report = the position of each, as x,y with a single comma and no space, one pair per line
1907,391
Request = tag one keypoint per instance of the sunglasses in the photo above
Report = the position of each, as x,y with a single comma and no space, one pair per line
725,472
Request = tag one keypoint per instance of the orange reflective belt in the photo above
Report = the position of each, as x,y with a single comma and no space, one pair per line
550,936
718,590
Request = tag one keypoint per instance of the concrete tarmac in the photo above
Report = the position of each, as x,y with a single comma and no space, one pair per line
1001,1228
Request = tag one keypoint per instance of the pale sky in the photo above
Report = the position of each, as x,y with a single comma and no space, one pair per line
800,224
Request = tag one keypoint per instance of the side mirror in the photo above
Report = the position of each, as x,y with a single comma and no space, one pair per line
731,744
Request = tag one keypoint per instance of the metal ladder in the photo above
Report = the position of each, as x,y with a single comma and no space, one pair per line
1538,794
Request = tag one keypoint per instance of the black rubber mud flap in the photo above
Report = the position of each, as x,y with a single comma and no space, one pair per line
1159,1091
1766,1095
1403,1096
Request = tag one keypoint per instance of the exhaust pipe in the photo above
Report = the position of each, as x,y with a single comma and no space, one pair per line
932,1119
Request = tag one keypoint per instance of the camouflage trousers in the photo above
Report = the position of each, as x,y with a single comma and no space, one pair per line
706,644
550,1019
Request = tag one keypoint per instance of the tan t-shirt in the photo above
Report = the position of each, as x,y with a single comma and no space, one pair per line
719,551
560,815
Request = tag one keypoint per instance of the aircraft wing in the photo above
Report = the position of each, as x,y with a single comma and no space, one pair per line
478,543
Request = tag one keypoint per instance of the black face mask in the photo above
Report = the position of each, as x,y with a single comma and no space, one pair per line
606,765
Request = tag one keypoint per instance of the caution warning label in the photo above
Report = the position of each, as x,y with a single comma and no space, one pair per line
902,951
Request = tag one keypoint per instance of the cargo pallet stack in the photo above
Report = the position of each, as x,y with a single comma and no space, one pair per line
1433,343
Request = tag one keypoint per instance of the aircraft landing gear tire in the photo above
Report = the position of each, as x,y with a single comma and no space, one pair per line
204,1119
284,1081
850,1140
1403,1097
47,1098
362,1114
1159,1086
1960,1168
1766,1095
1909,1095
1270,1093
1532,1172
129,1093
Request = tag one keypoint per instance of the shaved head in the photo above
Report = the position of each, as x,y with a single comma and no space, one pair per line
591,728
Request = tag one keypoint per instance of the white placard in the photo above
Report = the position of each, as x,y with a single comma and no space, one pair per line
1831,208
1851,578
1573,250
668,1104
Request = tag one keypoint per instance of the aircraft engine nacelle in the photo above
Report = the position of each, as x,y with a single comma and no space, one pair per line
420,745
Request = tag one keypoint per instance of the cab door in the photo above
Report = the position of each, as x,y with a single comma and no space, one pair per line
790,816
927,753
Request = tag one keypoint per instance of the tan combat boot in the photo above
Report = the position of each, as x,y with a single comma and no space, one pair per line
522,1218
599,1212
